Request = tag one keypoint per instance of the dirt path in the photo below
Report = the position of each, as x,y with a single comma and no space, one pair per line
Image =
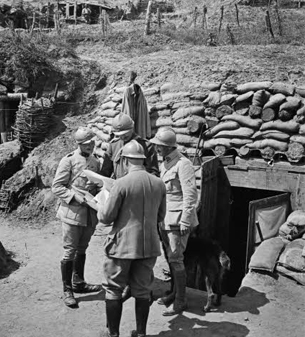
31,304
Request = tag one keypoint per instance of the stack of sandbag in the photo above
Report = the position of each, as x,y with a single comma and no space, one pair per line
101,125
167,106
257,116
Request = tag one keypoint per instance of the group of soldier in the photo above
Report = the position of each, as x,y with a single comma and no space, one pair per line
145,204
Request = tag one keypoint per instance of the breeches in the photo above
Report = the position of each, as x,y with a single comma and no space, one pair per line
75,239
174,244
138,274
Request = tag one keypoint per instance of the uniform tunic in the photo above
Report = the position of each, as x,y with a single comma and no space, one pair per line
178,174
78,221
137,202
114,165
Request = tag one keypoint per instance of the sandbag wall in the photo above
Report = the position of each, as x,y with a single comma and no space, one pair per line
255,118
262,118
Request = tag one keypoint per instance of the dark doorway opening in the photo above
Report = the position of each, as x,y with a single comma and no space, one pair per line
238,232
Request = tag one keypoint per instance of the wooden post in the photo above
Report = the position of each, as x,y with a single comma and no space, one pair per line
221,18
159,17
104,22
278,18
2,117
67,10
237,14
147,21
75,11
268,23
230,35
48,15
33,23
204,18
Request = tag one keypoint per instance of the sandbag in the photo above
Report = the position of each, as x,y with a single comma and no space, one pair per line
244,120
282,88
255,111
159,106
298,138
181,122
238,142
151,91
275,134
161,113
253,86
213,100
292,258
266,254
223,110
227,99
163,121
184,112
211,143
297,217
186,140
242,132
171,96
227,125
275,101
291,104
182,131
289,127
244,97
212,86
260,98
109,113
109,105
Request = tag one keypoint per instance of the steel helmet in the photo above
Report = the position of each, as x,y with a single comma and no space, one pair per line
83,135
165,136
133,150
122,124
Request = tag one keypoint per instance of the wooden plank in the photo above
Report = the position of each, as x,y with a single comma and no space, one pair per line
271,179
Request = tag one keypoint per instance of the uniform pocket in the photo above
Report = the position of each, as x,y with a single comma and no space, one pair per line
109,244
172,217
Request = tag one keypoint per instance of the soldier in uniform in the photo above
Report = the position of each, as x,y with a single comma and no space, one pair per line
137,202
114,164
78,219
178,174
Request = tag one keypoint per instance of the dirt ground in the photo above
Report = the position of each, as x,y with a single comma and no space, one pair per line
31,297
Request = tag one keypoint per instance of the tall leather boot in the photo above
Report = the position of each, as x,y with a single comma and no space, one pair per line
142,311
179,304
66,274
169,297
78,284
114,314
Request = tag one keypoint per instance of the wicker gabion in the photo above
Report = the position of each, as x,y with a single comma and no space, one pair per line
33,120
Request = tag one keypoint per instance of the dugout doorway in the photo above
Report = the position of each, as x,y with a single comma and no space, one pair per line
238,218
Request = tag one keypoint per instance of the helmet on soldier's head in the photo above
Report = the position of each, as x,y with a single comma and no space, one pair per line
133,150
83,135
122,124
165,136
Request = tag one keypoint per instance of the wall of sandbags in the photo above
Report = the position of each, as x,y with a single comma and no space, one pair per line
253,118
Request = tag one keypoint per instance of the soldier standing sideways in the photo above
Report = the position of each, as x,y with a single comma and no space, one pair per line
136,203
78,219
178,174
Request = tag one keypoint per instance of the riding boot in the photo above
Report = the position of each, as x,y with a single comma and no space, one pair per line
114,314
142,311
66,274
179,304
169,297
79,285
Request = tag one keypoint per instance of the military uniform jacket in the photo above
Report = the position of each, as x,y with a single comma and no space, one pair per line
114,164
178,174
137,202
69,179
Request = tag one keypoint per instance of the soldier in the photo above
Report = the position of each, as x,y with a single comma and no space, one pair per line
114,164
137,202
178,174
78,219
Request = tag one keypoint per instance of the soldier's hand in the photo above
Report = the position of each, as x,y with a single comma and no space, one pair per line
184,229
80,199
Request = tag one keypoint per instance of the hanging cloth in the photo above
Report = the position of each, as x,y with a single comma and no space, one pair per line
134,104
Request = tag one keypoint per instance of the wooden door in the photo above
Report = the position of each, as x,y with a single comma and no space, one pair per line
265,217
213,214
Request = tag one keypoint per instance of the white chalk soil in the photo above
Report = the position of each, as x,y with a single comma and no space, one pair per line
31,297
